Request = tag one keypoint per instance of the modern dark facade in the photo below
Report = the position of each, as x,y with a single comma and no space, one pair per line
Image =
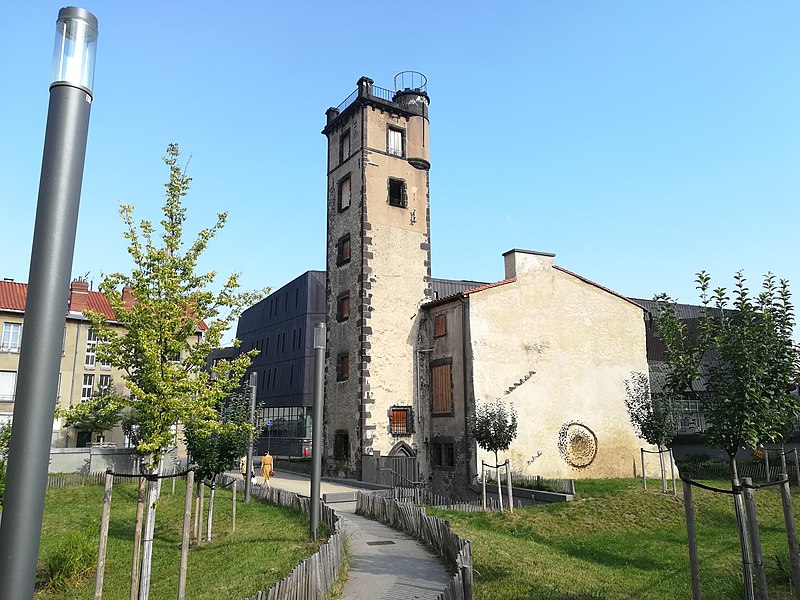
281,327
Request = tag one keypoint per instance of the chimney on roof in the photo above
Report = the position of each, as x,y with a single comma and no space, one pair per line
519,262
78,295
127,296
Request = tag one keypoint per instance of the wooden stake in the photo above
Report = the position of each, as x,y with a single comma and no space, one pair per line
791,536
499,487
200,513
508,485
766,463
797,467
483,477
691,534
672,471
233,508
101,550
137,539
187,519
210,511
755,539
644,476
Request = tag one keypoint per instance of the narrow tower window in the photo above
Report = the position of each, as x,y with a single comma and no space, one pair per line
343,250
397,193
343,307
344,146
344,193
395,144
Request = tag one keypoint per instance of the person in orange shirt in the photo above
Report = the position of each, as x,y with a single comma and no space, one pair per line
266,468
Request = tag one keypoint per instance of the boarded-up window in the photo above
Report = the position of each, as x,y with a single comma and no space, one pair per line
343,307
440,325
342,367
344,146
343,250
344,193
400,420
442,388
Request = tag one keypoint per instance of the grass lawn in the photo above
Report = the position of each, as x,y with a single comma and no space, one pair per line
618,541
269,541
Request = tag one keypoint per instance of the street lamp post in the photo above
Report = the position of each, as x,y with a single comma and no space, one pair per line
48,287
316,427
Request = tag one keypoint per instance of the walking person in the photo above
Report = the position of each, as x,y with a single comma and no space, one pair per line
267,470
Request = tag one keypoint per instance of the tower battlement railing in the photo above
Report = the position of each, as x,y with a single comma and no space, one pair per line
404,82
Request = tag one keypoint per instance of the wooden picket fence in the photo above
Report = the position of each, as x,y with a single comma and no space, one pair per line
431,531
417,495
62,480
312,578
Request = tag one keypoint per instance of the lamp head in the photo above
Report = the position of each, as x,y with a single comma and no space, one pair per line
75,48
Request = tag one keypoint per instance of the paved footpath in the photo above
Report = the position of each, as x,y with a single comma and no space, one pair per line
385,564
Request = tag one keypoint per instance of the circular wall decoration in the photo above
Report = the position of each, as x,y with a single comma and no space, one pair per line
577,444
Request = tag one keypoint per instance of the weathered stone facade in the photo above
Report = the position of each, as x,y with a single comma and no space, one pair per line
378,264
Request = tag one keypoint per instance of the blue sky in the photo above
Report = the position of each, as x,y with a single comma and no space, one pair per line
638,141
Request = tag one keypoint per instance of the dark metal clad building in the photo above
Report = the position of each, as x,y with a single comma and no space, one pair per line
281,329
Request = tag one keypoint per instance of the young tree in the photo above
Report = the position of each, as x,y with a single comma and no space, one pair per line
99,413
5,437
748,361
168,329
653,416
216,444
494,427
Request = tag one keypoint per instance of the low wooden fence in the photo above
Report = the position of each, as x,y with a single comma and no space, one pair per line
417,495
312,578
432,531
62,480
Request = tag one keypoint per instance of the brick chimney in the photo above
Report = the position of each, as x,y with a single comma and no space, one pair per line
78,295
127,296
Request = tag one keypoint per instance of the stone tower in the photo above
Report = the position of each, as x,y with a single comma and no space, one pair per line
378,267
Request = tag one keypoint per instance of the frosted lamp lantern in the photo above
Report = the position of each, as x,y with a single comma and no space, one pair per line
75,48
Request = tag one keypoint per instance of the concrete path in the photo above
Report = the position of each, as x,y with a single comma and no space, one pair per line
385,564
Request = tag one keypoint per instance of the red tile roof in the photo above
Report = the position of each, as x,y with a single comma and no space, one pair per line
13,297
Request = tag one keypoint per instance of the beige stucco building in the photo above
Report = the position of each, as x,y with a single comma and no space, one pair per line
556,346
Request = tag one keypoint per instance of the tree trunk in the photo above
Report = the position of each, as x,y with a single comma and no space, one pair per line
661,451
499,487
210,511
153,493
200,513
137,539
784,470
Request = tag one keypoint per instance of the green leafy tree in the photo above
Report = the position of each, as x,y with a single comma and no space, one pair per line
162,337
5,438
101,412
216,444
749,361
653,416
494,427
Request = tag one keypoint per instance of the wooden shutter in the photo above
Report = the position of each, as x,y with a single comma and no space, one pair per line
439,325
442,389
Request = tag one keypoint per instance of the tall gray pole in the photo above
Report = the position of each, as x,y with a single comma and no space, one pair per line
316,426
249,467
48,289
